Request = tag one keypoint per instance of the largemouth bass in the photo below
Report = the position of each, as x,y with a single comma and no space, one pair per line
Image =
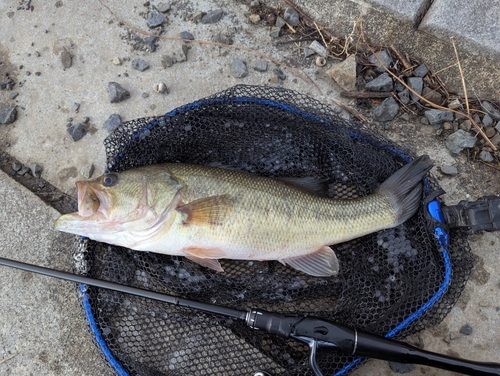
208,213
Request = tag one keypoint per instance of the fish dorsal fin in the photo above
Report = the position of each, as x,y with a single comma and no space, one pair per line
307,183
322,263
208,211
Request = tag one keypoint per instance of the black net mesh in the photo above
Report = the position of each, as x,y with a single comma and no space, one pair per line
397,280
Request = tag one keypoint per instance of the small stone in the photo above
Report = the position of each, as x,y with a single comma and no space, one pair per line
150,43
404,96
76,106
117,61
466,125
145,95
405,117
140,64
275,32
160,87
491,110
424,120
163,7
23,171
279,74
308,52
476,118
416,84
76,131
401,367
117,93
495,140
8,115
260,66
35,170
380,83
238,68
344,73
13,95
399,86
447,125
487,120
449,170
181,54
438,116
455,104
421,70
458,141
291,16
16,166
66,59
155,19
386,111
212,17
85,120
318,48
113,122
486,156
41,184
490,132
166,61
466,330
224,38
497,127
87,171
384,57
196,17
254,18
69,120
431,95
186,35
280,22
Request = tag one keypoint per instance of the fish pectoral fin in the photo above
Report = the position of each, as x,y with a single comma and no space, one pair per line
208,211
206,257
322,263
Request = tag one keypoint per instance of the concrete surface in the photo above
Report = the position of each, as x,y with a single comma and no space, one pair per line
411,10
94,37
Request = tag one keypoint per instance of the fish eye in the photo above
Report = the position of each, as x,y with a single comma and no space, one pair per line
109,180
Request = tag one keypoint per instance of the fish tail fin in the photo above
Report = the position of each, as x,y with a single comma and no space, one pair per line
404,187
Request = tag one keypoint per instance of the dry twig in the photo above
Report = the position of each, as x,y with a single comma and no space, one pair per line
461,76
365,94
8,358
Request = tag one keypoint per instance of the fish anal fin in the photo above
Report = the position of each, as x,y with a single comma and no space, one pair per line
322,263
208,211
206,257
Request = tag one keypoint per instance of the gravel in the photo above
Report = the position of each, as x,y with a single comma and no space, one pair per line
87,171
291,16
117,93
8,115
186,35
491,110
421,70
384,57
238,68
318,48
13,95
35,170
212,17
487,120
436,117
140,64
76,131
401,367
113,122
280,74
466,330
431,95
404,96
260,66
163,7
155,19
417,85
449,170
380,83
458,141
386,111
308,52
66,59
344,73
486,156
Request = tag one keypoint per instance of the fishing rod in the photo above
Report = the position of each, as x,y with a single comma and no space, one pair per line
315,332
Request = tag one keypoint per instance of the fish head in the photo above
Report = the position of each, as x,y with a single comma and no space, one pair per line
116,205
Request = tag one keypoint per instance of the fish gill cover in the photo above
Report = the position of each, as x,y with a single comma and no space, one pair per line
394,282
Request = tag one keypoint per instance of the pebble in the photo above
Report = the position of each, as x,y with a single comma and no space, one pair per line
16,166
260,66
466,330
447,125
380,83
76,106
344,73
279,74
487,120
155,19
291,16
150,43
318,48
8,115
66,59
35,170
85,120
308,52
405,117
401,367
280,22
495,140
320,61
275,32
196,17
386,111
491,110
238,68
490,132
424,120
23,171
254,18
431,95
404,96
212,17
449,170
384,57
486,156
113,122
140,64
166,61
186,35
466,125
417,84
438,116
117,61
76,131
163,7
181,54
160,87
458,141
87,171
224,38
421,70
13,95
455,104
117,93
497,127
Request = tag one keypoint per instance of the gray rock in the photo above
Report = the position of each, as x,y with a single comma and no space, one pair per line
421,70
449,170
404,96
380,83
487,157
280,22
163,7
8,115
76,131
401,367
424,120
224,38
150,43
85,120
181,54
117,93
23,171
416,84
438,116
113,122
487,120
318,48
166,61
87,171
76,106
35,170
431,95
212,17
308,52
140,64
66,59
344,73
489,131
260,66
384,57
280,74
275,32
458,141
405,117
16,166
386,111
186,35
455,104
491,110
238,68
497,127
13,95
466,330
155,19
466,125
495,140
291,16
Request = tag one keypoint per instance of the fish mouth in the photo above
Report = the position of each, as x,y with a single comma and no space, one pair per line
91,201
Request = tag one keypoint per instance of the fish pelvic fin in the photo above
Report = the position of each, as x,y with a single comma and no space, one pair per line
206,257
404,188
208,211
321,263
